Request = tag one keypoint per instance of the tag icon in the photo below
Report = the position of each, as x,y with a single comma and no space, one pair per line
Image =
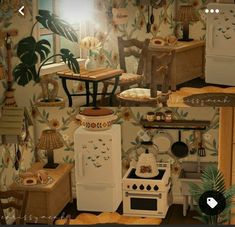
211,202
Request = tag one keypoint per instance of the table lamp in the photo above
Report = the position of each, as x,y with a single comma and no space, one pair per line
186,15
49,141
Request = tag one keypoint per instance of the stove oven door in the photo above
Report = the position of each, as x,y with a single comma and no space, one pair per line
143,204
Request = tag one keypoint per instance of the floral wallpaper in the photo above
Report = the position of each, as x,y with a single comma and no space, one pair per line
105,30
65,122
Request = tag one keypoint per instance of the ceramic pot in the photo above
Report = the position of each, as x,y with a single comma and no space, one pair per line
96,119
90,64
147,165
42,176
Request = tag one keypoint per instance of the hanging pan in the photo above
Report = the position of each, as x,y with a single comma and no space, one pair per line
179,149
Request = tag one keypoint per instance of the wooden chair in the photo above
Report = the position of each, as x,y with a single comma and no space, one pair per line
161,67
163,61
16,200
127,48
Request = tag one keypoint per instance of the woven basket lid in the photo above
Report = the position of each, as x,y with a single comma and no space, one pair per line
96,112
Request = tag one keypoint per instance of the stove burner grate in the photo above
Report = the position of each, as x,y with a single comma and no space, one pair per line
132,175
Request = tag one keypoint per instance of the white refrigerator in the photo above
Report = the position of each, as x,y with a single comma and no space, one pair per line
220,44
98,169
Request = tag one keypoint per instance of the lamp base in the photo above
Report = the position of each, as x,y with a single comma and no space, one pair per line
185,40
50,163
51,166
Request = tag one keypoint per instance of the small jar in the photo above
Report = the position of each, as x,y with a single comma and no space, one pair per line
160,116
168,116
150,116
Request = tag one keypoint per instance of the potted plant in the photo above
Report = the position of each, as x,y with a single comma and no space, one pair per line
213,180
34,54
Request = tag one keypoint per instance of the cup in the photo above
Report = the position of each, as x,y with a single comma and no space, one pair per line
42,176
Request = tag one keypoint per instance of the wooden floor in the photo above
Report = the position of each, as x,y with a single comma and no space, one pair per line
174,215
196,86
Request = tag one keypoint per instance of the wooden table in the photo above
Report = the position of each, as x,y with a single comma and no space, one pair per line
91,77
188,62
45,202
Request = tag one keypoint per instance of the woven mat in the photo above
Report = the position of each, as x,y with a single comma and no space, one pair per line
207,96
210,99
108,218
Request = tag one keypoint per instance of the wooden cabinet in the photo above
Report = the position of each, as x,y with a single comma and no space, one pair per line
45,202
227,147
188,62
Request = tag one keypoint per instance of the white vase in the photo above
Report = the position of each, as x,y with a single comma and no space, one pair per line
90,64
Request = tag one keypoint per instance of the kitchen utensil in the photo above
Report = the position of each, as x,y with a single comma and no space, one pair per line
147,165
17,157
163,141
193,148
179,149
149,24
152,19
143,135
201,149
96,119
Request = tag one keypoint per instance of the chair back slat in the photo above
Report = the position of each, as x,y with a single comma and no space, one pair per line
11,205
13,194
19,204
126,49
132,53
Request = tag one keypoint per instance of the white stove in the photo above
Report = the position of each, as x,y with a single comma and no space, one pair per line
147,197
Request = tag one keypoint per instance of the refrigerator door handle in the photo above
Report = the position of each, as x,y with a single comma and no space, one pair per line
222,58
80,164
99,185
211,36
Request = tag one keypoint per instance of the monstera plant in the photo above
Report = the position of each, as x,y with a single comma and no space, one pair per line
34,54
213,180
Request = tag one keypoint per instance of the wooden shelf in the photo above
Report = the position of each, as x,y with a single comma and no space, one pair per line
176,124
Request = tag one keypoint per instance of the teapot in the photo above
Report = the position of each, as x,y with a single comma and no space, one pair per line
146,166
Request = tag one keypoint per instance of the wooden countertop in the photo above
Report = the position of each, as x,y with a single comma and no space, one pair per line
57,175
181,46
99,74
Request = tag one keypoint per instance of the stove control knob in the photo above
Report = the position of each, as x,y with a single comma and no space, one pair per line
148,188
141,187
134,187
155,188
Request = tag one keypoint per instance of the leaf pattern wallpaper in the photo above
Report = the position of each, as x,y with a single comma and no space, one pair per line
65,122
64,119
105,30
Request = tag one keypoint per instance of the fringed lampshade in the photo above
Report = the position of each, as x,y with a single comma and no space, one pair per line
49,141
186,15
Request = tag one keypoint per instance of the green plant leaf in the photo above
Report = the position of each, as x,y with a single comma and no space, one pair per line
28,48
204,219
23,74
213,179
57,25
69,59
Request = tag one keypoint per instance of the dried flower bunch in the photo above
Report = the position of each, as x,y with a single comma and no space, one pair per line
91,43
